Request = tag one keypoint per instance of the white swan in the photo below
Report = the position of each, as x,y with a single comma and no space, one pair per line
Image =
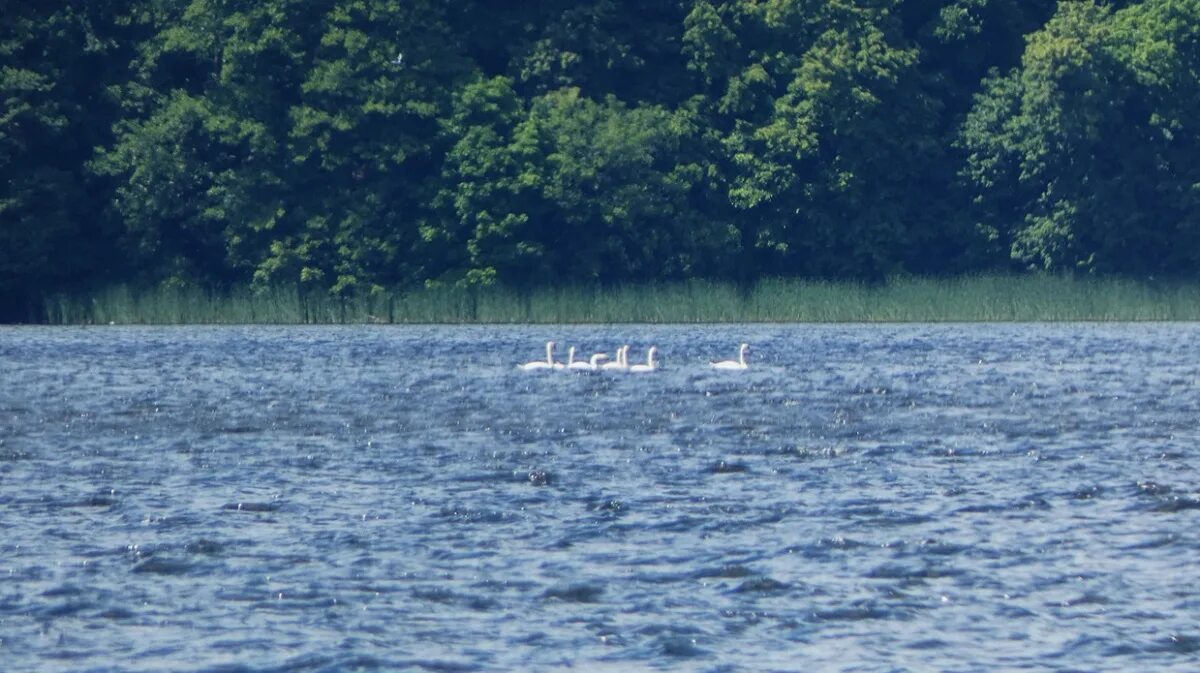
739,363
548,363
649,366
591,365
619,363
570,360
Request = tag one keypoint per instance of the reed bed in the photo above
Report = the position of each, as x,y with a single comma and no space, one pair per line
965,299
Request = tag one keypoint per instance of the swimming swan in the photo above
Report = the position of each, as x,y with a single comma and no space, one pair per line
619,363
548,363
591,365
570,360
739,363
649,366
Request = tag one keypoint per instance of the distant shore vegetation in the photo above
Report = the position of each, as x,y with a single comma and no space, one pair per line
985,298
348,147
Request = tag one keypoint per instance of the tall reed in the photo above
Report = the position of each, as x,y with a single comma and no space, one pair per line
968,298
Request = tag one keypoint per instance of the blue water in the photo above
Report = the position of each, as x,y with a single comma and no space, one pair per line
863,498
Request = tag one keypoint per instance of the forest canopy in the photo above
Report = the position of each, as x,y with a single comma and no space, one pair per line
350,146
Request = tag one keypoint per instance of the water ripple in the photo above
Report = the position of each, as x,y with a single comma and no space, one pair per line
883,497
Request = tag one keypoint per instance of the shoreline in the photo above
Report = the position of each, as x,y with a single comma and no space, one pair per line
969,299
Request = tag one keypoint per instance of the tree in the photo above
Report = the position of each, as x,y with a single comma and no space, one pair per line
570,189
1073,156
200,157
286,142
825,133
58,60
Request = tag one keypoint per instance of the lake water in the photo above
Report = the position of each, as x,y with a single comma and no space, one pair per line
863,498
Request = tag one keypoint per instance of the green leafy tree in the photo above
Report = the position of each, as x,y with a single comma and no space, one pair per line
1073,155
572,189
1160,44
364,141
351,145
824,130
286,141
625,48
56,62
200,159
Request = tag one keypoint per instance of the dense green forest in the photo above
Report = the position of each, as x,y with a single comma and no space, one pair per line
349,147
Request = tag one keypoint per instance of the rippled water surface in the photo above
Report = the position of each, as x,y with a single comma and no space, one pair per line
865,498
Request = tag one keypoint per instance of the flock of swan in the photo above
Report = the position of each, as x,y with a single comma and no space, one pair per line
621,363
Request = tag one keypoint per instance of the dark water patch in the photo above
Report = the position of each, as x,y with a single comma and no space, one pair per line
251,506
1087,598
205,547
1085,644
1153,542
1175,503
505,587
933,547
911,571
309,663
860,611
732,571
489,477
576,593
1086,493
824,546
893,518
680,647
728,467
927,644
438,666
1123,650
1025,503
243,645
163,565
681,524
238,429
67,590
856,508
252,594
761,585
435,595
1015,612
116,613
99,501
68,654
1152,489
674,641
470,516
609,507
68,608
1176,643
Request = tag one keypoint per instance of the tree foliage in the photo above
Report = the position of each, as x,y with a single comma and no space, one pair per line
346,146
1077,156
57,61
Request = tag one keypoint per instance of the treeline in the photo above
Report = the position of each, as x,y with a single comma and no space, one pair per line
352,146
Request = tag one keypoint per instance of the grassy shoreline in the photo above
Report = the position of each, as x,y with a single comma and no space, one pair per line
964,299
